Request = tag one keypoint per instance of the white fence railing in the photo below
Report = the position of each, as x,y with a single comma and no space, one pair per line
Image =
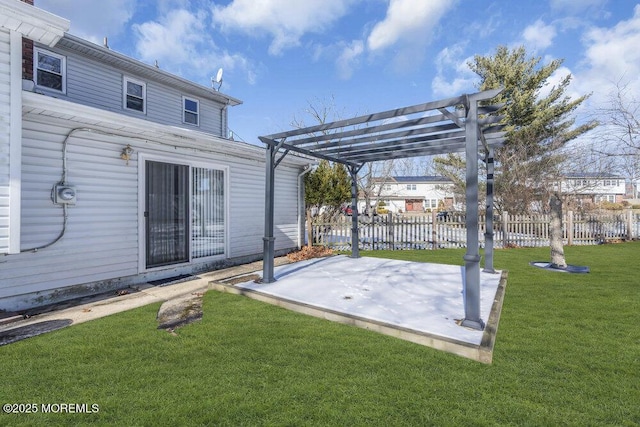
432,231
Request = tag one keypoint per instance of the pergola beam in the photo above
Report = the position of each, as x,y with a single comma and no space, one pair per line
379,129
399,112
469,128
398,141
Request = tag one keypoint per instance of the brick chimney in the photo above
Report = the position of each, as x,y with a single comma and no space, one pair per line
27,54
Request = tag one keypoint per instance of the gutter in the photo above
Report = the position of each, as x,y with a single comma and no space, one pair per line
301,206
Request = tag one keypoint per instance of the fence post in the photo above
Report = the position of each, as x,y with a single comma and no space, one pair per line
434,231
629,224
570,227
390,234
505,229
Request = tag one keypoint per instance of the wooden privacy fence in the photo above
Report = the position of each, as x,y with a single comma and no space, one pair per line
433,231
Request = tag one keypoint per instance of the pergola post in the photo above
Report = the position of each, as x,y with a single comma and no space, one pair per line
488,234
471,281
355,230
269,239
419,130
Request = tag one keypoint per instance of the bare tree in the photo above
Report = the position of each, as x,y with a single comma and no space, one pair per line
621,132
371,180
328,187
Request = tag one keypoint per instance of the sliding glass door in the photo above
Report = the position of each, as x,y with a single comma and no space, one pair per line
208,212
185,213
167,213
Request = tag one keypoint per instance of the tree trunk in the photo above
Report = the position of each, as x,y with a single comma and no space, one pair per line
555,233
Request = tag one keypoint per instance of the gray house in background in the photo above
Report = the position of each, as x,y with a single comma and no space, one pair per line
114,172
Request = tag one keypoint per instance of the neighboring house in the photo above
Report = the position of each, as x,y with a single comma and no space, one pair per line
411,193
114,172
587,188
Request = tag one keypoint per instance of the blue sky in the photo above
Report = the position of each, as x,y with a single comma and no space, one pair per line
363,56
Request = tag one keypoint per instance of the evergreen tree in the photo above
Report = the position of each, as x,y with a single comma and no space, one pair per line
328,187
538,127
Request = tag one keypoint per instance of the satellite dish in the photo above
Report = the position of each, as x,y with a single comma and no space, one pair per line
217,80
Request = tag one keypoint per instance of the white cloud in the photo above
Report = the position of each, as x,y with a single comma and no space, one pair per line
611,55
538,36
453,75
94,22
173,38
349,58
554,80
407,19
575,6
181,43
286,21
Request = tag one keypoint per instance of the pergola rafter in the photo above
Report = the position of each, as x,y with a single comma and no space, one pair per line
450,125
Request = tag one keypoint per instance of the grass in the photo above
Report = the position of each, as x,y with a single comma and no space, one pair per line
567,353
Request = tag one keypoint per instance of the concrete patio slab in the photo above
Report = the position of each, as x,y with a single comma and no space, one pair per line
418,302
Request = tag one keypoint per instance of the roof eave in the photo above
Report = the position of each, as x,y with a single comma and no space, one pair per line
126,63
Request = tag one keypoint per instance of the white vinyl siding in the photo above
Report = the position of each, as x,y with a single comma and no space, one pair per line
102,226
5,116
101,245
92,83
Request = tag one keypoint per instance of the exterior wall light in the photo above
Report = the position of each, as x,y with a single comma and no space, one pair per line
126,153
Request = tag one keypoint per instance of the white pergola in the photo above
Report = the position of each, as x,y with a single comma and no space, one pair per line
450,125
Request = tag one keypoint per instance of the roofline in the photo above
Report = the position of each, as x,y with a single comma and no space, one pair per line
127,63
401,179
593,175
32,22
91,117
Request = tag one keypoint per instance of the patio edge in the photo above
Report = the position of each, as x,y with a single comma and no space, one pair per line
481,353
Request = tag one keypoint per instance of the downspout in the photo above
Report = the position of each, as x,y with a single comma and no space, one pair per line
223,128
15,141
301,205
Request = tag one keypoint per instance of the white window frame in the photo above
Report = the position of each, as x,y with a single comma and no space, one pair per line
63,69
180,160
185,111
126,80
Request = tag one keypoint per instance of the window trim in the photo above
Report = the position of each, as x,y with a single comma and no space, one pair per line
197,163
125,94
185,111
63,69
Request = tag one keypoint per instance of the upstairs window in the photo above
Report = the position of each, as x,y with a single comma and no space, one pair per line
411,187
135,95
190,111
50,70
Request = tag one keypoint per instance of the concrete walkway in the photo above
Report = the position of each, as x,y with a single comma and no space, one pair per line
418,302
13,328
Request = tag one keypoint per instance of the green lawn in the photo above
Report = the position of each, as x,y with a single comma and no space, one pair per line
567,353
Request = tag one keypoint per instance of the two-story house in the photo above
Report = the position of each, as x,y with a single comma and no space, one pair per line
411,193
593,188
114,172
